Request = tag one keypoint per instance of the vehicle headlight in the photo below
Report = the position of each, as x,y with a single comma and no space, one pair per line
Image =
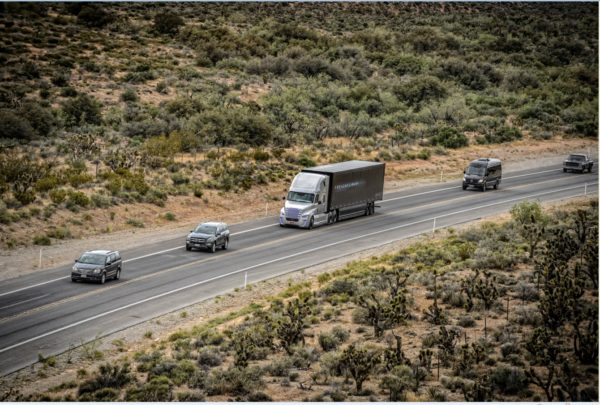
188,237
211,239
75,268
98,270
282,212
464,178
480,181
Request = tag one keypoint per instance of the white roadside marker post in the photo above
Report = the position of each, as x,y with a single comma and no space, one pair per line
433,230
245,280
40,265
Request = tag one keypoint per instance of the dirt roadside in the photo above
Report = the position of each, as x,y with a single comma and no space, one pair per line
25,260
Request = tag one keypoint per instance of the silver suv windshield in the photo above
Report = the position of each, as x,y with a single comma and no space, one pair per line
296,196
88,258
476,170
209,229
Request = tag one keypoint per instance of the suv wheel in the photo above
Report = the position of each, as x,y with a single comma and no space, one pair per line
564,170
213,248
118,274
226,244
103,278
73,279
188,247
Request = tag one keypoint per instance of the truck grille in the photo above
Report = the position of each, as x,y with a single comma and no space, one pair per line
292,214
572,164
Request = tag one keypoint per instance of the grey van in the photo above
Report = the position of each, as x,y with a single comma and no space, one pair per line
97,265
483,173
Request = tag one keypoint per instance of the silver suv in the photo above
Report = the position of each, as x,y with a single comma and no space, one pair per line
209,236
97,265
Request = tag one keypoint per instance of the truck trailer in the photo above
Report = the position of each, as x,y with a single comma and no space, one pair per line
326,194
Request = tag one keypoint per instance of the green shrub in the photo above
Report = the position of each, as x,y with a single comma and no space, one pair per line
78,179
328,342
42,240
421,89
46,183
101,201
234,381
167,22
280,367
135,223
503,134
129,95
449,137
198,191
59,233
169,216
209,357
156,197
83,109
158,389
509,380
179,178
77,198
14,127
94,15
107,376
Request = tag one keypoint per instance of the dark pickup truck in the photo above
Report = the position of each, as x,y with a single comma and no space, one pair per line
578,163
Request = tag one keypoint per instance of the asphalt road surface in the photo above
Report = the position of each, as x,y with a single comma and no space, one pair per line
47,313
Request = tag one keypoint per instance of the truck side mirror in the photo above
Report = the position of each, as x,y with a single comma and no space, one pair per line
320,202
283,198
464,172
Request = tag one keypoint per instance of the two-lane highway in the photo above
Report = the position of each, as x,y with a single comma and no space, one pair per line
47,313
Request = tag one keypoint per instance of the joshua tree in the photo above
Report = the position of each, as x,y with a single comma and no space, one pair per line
289,327
360,363
486,291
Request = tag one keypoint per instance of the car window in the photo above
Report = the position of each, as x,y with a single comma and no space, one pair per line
118,256
209,229
90,258
113,257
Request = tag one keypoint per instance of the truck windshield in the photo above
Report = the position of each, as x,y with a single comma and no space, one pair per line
577,158
208,229
296,196
476,170
91,259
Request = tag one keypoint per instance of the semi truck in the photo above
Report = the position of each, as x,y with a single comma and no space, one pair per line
326,194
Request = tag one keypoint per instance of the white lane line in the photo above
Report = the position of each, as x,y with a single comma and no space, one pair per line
126,261
22,302
33,286
459,187
266,226
101,315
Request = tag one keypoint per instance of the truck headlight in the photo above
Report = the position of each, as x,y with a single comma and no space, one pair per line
480,181
97,270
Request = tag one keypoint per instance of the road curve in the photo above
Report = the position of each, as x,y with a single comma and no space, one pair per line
46,313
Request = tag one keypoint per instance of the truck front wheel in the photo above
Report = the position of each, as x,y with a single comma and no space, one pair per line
311,223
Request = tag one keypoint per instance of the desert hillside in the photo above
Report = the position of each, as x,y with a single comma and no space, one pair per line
116,116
